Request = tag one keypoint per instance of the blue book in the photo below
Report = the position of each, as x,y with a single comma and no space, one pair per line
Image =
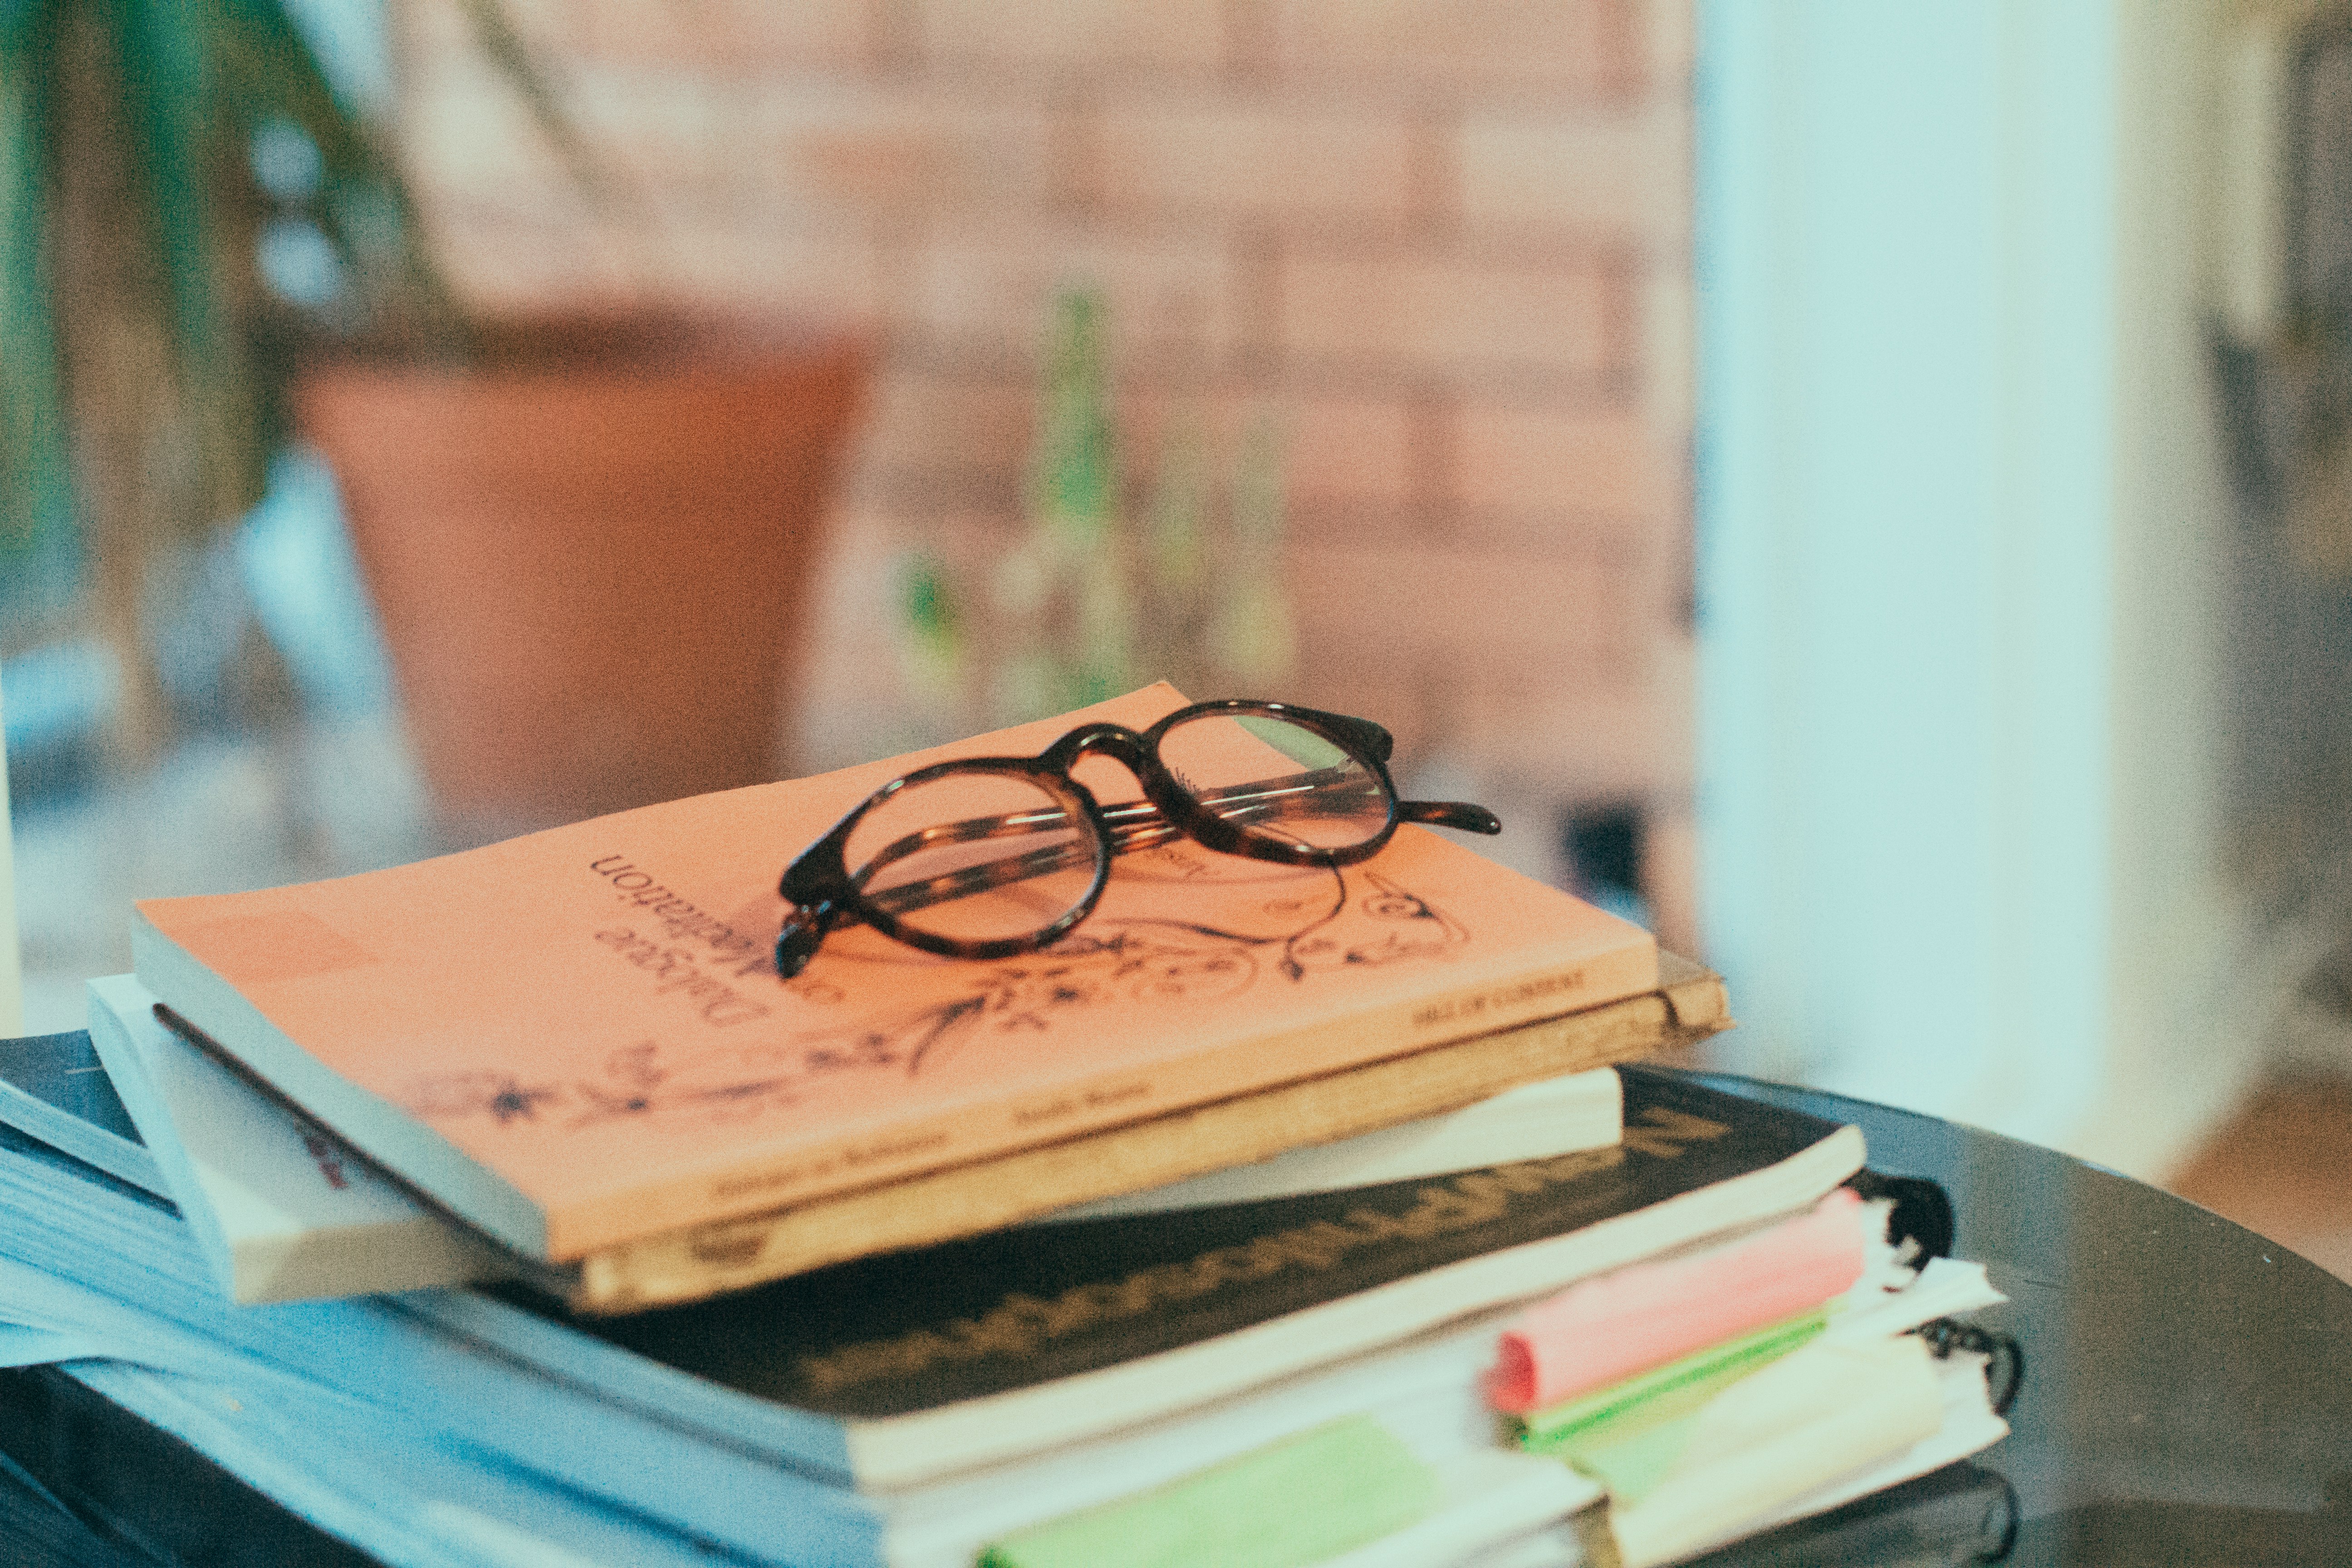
904,1409
788,1422
53,1088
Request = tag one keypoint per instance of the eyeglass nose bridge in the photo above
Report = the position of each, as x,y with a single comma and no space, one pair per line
1134,752
1116,741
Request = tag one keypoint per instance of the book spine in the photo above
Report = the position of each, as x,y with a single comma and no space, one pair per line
695,1261
1087,1105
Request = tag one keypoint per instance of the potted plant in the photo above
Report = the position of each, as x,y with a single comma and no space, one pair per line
589,547
588,537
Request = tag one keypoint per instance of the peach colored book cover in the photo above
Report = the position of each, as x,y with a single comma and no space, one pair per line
591,1012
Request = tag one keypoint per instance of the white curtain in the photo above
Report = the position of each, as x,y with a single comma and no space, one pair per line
1959,507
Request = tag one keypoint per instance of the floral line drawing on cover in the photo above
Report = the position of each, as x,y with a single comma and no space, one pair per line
1374,923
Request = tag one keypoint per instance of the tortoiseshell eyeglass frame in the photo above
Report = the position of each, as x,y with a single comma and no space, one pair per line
823,895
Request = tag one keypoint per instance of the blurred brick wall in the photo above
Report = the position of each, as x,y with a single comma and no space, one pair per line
1449,237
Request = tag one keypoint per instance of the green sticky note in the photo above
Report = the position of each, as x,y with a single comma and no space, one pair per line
1294,1503
1627,1436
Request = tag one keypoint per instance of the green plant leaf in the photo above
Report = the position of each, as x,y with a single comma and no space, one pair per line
36,496
167,80
179,133
1074,478
196,77
25,25
495,36
268,68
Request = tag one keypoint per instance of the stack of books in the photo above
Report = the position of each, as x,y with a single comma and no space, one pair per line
509,1208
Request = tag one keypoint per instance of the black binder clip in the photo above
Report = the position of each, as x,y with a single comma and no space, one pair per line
1922,1213
2004,1357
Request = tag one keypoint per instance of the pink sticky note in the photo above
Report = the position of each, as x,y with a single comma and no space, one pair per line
1600,1330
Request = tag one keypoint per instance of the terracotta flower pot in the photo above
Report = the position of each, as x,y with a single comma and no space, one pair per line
590,557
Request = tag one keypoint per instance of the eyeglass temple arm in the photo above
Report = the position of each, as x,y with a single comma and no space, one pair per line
1455,814
1287,796
980,878
1133,826
1142,827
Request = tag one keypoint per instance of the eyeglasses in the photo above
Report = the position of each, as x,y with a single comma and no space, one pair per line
990,856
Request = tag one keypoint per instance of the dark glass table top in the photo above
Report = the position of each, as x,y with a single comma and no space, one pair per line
2187,1400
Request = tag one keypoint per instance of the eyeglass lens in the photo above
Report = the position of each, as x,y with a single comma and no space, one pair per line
982,856
973,857
1277,780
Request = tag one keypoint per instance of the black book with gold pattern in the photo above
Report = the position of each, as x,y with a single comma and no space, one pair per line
1049,1332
